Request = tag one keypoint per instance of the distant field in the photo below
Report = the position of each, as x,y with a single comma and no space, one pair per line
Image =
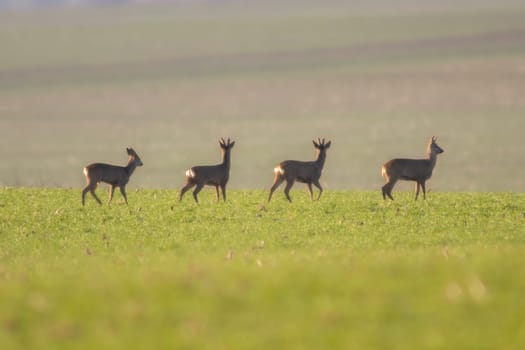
80,85
350,271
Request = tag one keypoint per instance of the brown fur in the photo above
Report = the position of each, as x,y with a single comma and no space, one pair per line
306,172
213,175
418,170
113,175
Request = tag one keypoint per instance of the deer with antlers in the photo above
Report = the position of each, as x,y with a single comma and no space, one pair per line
418,170
213,175
305,172
113,175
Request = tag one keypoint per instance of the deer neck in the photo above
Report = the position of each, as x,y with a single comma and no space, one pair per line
321,157
131,166
432,158
226,161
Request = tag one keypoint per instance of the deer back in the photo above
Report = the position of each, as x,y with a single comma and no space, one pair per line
300,170
208,174
111,174
408,169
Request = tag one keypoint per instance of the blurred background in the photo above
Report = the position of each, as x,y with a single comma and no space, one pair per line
81,80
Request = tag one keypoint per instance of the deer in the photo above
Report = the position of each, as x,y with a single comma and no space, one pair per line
305,172
213,175
418,170
113,175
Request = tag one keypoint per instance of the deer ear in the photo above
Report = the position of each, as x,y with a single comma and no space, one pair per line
231,144
315,144
328,144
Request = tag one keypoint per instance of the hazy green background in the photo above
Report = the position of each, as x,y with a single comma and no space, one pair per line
378,78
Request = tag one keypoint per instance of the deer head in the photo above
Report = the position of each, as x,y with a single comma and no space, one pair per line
321,145
226,145
433,147
134,156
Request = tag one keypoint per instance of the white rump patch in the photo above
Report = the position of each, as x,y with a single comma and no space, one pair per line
190,173
85,171
383,171
279,170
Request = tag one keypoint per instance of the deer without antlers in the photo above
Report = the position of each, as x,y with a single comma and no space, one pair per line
306,172
113,175
418,170
213,175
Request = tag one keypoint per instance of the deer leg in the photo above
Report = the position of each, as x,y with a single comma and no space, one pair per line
383,191
217,190
84,192
123,191
289,184
111,191
417,189
185,189
196,192
387,189
92,189
223,189
424,190
276,183
318,185
310,190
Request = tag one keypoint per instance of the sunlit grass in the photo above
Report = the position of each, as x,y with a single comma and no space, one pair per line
348,271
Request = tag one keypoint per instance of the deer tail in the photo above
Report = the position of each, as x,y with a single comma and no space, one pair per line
278,170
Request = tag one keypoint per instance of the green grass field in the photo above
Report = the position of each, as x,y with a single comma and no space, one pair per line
80,84
349,271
